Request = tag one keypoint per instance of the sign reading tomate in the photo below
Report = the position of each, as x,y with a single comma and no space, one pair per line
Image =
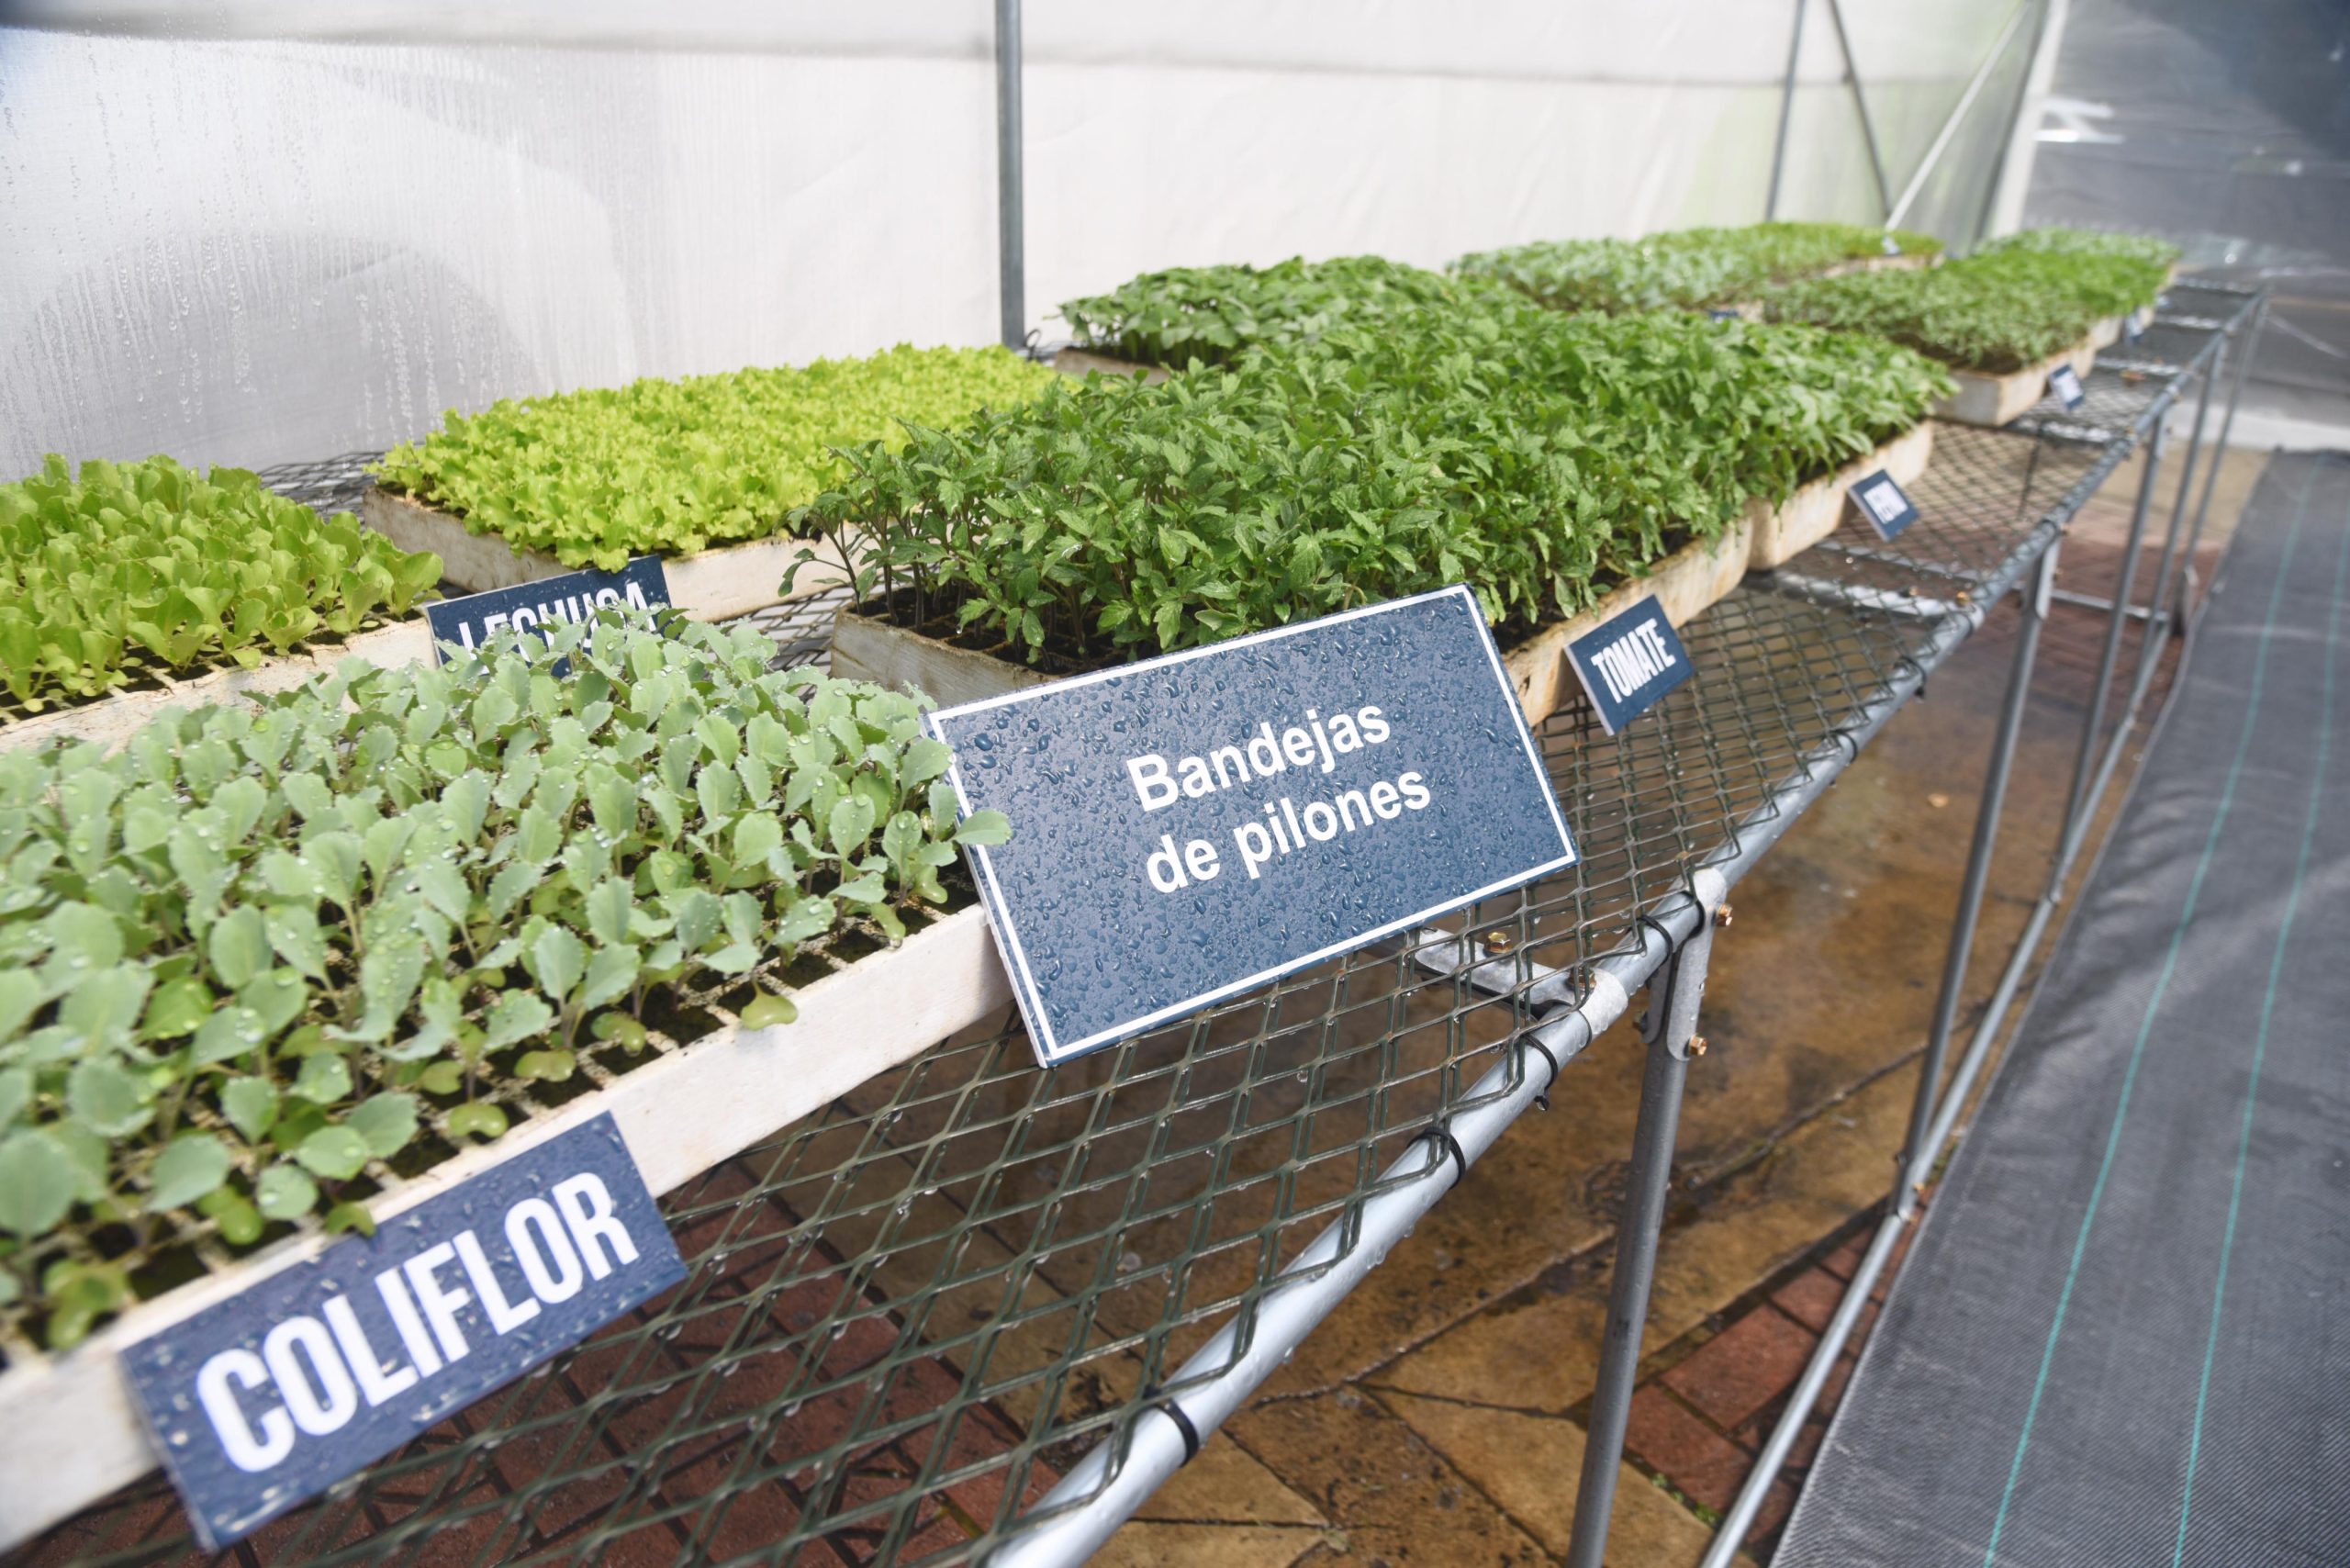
264,1399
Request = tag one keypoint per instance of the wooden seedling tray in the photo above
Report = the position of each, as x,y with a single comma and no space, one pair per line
70,1431
1999,399
113,719
866,648
713,584
1814,511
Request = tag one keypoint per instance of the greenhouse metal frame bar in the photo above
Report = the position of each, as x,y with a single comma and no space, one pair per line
1011,220
1937,1107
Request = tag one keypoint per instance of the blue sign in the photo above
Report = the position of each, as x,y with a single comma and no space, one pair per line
1721,313
1193,827
1628,662
2066,385
263,1401
499,616
1881,500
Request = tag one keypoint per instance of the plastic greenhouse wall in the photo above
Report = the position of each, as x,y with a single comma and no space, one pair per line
257,232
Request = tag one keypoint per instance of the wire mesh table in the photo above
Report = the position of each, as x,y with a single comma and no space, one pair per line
976,1309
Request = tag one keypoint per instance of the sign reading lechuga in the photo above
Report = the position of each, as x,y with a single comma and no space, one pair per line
264,1399
1189,828
497,617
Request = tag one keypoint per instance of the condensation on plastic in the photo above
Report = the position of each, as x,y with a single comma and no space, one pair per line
266,232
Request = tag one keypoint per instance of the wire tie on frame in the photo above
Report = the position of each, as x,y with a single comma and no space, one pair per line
1174,1412
1530,1043
1452,1147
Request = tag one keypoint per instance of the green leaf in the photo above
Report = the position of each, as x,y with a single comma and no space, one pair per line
19,994
324,1079
191,1166
480,1119
295,936
84,1294
274,1000
547,1067
176,1008
286,1192
759,835
984,827
851,823
806,918
251,1105
442,1078
515,1017
619,1027
84,938
239,946
350,1217
230,1033
610,904
240,1222
386,1122
559,959
106,1098
336,1153
768,1011
388,978
37,1183
609,975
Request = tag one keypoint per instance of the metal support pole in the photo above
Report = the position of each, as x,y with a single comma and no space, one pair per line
1011,254
1957,116
2092,733
1673,1000
2035,606
2220,447
2160,617
1861,103
1787,115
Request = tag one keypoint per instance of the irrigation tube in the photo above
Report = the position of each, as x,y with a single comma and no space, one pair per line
1114,1479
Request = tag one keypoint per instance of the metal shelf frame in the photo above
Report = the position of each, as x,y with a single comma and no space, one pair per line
976,1310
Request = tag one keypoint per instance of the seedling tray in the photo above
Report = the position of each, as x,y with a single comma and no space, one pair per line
1081,362
867,647
70,1431
1993,401
712,585
1814,511
113,719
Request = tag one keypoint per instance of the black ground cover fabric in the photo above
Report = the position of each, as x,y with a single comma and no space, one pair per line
2123,1336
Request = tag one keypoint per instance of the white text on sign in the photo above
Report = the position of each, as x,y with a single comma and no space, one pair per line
1633,660
319,1368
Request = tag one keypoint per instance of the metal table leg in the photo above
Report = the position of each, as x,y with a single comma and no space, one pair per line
1671,1026
2093,732
1994,801
2220,451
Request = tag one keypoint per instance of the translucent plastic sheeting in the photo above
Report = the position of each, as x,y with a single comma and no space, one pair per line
2227,130
253,232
